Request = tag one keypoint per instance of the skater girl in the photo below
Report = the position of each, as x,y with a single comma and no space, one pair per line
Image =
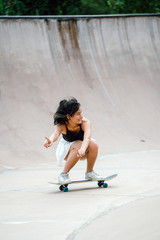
76,142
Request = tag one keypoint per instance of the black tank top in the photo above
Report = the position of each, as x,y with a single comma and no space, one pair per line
71,136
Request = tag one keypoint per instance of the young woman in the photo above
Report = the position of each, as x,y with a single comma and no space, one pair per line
76,142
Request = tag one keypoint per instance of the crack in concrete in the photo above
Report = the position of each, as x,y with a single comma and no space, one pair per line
96,216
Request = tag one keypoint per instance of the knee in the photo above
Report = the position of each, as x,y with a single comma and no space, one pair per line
73,149
76,145
93,145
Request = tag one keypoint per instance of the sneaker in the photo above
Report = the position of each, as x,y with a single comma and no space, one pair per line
64,178
92,176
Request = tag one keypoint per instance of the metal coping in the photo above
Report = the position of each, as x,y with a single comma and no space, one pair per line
66,17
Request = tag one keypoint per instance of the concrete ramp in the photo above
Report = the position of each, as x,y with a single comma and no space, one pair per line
110,64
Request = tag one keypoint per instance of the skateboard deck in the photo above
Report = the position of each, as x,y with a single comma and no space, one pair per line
100,182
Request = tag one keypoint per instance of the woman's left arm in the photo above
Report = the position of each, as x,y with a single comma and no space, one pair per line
87,128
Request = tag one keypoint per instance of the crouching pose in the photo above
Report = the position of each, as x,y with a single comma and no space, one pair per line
76,142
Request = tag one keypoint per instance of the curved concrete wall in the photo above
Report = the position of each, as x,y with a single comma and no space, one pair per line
111,65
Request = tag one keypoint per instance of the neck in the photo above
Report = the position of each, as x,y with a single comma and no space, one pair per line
72,124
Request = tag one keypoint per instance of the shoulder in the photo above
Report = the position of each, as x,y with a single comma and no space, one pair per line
85,123
61,128
85,120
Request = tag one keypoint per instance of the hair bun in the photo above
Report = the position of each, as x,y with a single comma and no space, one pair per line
63,102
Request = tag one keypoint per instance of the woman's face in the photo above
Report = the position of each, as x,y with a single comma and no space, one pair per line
77,117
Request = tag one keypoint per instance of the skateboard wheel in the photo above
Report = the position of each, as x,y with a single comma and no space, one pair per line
65,189
100,183
105,185
61,188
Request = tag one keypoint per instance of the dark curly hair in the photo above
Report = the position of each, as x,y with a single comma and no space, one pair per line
66,107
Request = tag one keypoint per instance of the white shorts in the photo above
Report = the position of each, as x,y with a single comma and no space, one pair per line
62,150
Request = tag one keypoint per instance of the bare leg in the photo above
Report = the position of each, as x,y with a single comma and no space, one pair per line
91,155
72,158
92,152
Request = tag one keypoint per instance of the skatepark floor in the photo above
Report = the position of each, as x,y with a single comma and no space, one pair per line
127,209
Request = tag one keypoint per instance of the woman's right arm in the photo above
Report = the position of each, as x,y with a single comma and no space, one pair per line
49,141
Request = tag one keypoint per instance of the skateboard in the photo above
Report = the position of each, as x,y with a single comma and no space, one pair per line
100,182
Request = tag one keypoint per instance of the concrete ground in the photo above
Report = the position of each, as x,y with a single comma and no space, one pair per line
111,65
127,209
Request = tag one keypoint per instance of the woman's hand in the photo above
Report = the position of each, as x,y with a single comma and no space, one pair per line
81,153
47,143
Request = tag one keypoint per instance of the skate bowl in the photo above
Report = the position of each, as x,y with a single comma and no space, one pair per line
111,64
